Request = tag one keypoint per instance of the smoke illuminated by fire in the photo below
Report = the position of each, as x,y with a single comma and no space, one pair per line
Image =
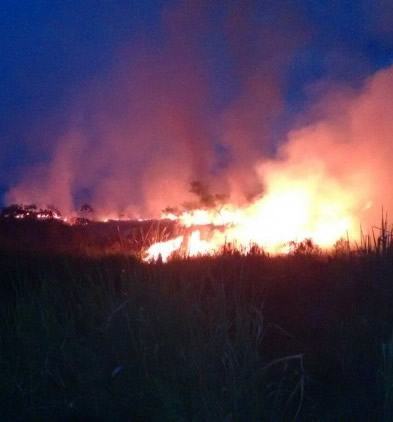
326,181
329,179
141,135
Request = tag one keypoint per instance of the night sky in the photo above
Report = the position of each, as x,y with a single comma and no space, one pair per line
55,52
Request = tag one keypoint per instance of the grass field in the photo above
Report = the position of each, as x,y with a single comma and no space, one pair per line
305,337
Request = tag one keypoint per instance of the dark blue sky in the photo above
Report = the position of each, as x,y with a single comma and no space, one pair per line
51,50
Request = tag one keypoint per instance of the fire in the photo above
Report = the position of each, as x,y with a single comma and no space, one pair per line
198,246
292,209
302,200
164,249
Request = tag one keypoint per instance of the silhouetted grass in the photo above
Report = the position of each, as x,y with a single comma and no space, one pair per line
307,336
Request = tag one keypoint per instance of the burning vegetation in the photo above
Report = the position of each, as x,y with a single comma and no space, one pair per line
329,179
30,212
290,212
192,192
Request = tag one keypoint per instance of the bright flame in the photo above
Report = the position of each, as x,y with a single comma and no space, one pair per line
197,246
301,201
293,208
164,249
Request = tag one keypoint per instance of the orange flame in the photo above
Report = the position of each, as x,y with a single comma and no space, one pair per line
293,208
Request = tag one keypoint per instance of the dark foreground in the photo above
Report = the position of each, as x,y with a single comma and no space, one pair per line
228,338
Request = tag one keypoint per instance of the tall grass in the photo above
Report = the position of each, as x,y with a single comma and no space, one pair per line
115,339
229,337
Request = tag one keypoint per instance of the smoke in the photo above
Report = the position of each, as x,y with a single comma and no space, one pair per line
157,122
348,149
263,44
199,101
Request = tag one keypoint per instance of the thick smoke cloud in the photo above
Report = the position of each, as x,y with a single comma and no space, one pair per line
157,121
153,126
348,147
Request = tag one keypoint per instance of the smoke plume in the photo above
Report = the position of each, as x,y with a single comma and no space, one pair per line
349,146
138,137
199,103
